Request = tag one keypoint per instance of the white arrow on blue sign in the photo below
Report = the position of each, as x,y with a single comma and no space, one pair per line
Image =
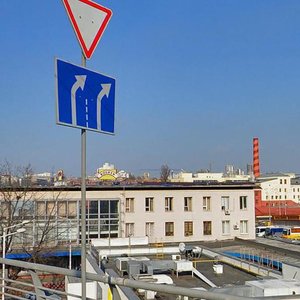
84,99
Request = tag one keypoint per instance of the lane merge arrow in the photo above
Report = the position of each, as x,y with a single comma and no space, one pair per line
79,83
84,98
104,92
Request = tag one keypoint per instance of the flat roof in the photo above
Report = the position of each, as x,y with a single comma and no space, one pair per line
167,186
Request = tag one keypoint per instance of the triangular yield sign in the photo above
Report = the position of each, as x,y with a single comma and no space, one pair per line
89,20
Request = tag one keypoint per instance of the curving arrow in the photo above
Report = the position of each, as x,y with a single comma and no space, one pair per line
79,83
104,92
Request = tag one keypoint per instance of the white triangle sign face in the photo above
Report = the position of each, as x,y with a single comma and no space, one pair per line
89,21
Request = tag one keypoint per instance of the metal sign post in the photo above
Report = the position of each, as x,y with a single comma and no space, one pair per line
79,103
83,206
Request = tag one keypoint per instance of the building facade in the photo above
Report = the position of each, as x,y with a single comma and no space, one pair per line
284,186
163,213
279,199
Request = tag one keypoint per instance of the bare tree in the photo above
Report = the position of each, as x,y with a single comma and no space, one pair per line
165,172
16,200
20,201
50,226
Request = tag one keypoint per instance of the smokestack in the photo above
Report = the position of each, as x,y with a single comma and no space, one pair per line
256,170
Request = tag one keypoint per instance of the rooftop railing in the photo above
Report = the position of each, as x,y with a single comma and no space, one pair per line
18,289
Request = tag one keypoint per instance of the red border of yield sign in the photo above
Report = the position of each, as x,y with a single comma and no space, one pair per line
88,52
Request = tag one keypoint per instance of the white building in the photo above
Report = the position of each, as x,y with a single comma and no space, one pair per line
165,213
281,186
209,176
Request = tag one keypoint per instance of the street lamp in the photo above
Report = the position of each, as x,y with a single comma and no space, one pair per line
4,236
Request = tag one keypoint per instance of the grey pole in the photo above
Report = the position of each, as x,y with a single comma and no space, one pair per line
83,206
3,265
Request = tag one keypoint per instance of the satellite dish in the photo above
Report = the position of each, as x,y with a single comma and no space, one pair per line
182,247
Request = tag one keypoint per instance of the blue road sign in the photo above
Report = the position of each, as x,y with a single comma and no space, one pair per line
85,99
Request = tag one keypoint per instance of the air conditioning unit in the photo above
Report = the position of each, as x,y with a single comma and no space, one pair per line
176,257
227,212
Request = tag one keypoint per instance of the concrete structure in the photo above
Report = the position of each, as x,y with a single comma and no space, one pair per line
164,213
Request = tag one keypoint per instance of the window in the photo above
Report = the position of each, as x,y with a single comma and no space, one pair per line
206,203
188,228
102,217
129,229
225,202
129,206
225,227
50,209
285,181
169,228
243,202
149,229
187,203
280,181
149,204
62,209
72,209
93,209
41,209
244,227
168,203
206,227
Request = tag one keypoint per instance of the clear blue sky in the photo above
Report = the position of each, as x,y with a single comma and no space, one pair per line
196,81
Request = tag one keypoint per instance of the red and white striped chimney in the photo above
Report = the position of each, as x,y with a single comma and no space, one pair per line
256,169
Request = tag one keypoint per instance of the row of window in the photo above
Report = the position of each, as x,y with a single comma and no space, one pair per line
187,203
279,197
188,228
283,181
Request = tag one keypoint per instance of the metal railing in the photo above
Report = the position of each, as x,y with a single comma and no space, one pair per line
15,289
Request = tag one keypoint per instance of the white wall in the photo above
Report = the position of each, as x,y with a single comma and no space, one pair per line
197,215
159,216
280,188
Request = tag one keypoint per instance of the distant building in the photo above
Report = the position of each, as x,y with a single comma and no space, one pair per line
230,175
108,172
59,179
42,179
279,198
